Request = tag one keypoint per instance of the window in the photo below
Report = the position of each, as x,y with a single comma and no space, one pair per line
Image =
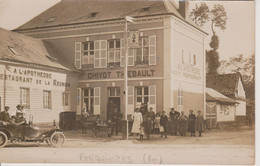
13,50
114,92
65,99
142,94
142,52
180,99
114,52
194,59
25,97
88,53
47,99
89,100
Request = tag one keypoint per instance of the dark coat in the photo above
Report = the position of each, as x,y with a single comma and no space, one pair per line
183,124
147,126
164,122
200,123
150,114
192,123
4,116
115,116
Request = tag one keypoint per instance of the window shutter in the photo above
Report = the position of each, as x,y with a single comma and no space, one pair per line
97,54
78,55
152,97
130,57
152,50
122,59
103,53
79,99
130,108
96,100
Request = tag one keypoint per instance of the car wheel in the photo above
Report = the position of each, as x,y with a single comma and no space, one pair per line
57,139
3,139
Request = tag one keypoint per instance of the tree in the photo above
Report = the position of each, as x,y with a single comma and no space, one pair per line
246,66
218,17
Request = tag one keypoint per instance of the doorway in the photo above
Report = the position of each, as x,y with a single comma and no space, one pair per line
113,100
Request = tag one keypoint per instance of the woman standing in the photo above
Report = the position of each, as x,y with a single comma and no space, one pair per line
137,121
164,124
157,123
183,120
200,123
192,123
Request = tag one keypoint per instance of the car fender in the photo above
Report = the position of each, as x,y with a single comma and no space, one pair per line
7,132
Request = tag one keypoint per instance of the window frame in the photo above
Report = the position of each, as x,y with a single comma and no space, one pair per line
89,97
88,51
27,98
115,50
49,99
180,99
142,95
142,47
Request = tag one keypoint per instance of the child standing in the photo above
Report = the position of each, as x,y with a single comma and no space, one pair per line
141,131
164,124
157,123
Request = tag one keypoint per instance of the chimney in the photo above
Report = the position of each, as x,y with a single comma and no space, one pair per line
184,8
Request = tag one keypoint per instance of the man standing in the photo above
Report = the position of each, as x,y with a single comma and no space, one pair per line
115,118
150,116
174,115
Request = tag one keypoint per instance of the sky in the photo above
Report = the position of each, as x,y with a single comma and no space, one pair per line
238,38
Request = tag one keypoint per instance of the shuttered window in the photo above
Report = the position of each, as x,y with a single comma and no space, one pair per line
97,101
47,99
78,55
130,55
152,97
152,50
100,51
78,101
130,108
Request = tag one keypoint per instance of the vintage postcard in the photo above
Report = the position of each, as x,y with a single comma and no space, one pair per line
127,82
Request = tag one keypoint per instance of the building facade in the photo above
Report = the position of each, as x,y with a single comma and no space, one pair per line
166,69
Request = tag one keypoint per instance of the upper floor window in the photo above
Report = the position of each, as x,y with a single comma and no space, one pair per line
103,53
141,53
113,58
88,53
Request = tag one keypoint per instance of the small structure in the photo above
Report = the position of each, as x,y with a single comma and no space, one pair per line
232,86
220,109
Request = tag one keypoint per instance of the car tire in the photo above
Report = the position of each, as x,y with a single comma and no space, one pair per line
55,137
3,139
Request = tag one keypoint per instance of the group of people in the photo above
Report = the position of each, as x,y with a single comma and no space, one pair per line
17,118
147,123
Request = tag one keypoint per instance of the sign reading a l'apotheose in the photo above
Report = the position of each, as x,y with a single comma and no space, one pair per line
15,74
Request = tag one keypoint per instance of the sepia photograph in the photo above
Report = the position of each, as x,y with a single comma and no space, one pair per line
127,82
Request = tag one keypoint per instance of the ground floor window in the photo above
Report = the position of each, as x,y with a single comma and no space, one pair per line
142,95
114,92
65,99
180,99
25,97
47,99
88,95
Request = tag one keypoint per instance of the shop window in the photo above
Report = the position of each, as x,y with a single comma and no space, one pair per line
88,53
89,100
65,99
114,52
180,99
25,97
46,99
114,92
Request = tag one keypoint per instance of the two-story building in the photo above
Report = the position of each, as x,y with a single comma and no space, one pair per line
166,69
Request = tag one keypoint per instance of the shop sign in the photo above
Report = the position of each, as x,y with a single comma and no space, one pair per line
120,74
188,71
31,76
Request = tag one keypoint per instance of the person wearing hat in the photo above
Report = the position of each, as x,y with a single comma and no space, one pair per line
150,115
164,124
192,123
4,116
200,123
20,113
183,124
174,115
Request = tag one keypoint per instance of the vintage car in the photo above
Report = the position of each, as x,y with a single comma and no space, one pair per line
29,133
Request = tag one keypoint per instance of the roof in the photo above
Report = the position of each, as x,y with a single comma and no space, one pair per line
23,49
226,84
69,12
213,95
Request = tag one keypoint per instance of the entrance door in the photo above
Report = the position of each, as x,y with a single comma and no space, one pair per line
113,100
